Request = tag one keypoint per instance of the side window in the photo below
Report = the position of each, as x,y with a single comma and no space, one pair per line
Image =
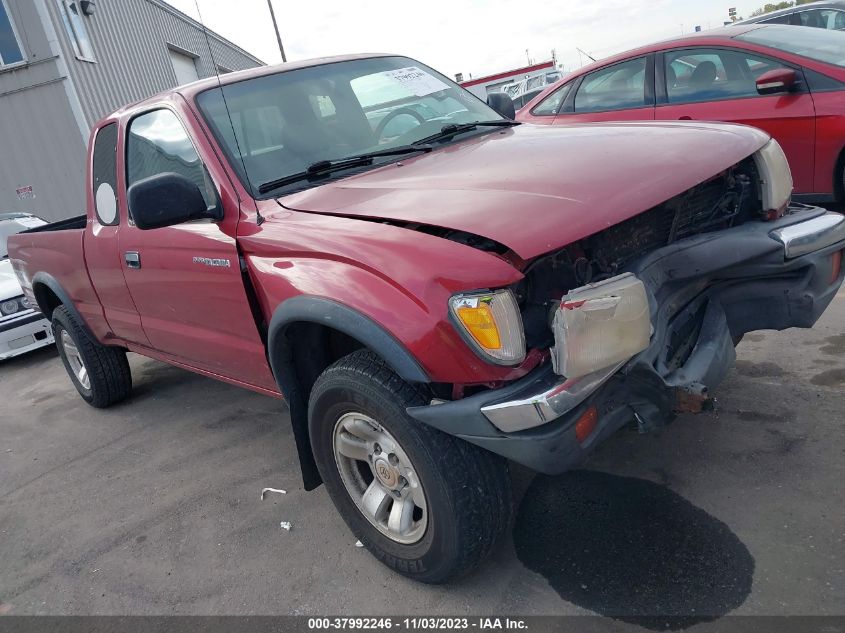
157,144
76,30
811,17
695,75
550,106
832,19
10,46
781,19
104,175
614,88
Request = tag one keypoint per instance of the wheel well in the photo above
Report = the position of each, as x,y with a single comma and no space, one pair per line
46,298
303,351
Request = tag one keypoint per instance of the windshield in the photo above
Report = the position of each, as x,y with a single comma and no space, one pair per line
14,223
287,121
819,44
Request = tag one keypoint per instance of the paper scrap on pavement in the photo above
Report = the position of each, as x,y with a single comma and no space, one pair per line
285,525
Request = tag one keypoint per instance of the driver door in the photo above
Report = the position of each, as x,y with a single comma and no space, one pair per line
185,280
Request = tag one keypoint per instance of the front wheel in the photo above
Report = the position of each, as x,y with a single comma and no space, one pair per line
428,505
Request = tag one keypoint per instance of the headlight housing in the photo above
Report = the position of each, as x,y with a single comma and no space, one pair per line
775,179
601,325
13,306
491,323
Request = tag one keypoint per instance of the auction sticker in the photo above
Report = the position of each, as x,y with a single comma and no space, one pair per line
416,81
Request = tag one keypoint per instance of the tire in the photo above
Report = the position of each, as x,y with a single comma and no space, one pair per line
461,494
107,378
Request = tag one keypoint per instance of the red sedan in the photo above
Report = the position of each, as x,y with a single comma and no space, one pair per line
786,80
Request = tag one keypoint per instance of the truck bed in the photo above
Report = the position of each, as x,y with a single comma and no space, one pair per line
74,223
52,256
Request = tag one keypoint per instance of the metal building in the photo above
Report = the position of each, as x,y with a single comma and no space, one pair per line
66,63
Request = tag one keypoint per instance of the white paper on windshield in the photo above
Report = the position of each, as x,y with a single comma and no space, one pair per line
416,81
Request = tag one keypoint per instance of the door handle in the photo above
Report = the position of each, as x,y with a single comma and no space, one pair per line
133,259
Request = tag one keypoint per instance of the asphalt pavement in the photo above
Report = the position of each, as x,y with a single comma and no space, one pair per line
153,506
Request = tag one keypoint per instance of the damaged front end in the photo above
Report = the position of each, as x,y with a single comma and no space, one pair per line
642,319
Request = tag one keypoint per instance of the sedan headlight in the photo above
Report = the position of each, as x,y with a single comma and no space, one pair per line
601,325
9,307
775,179
492,324
13,306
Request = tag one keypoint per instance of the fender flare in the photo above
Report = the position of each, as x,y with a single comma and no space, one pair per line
55,287
343,319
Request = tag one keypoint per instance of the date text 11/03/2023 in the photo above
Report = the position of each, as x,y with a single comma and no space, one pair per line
417,623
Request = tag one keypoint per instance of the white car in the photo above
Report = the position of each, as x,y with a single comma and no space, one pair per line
22,329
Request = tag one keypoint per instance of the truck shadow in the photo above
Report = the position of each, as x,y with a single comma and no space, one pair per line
630,549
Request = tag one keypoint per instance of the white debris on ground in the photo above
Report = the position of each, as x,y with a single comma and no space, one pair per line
285,525
359,544
277,490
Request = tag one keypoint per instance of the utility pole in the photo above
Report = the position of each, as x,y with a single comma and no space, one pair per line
276,27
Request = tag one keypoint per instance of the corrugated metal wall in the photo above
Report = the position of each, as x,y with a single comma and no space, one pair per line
41,148
130,40
41,142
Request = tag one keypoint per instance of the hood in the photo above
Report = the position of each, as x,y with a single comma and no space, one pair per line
9,286
538,188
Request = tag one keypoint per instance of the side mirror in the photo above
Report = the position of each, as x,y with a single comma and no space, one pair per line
777,81
167,199
502,104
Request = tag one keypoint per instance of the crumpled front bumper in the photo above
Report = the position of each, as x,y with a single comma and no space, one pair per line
704,293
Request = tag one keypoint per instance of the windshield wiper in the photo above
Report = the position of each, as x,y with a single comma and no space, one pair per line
325,167
450,130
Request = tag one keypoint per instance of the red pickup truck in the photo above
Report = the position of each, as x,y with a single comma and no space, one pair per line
434,289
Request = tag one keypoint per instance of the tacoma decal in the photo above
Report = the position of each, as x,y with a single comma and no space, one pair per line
206,261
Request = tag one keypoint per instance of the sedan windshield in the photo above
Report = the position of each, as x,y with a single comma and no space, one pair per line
283,123
819,44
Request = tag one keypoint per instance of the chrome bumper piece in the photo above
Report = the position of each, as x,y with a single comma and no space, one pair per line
534,410
811,235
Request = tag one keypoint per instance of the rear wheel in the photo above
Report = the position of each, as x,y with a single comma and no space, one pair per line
428,505
100,374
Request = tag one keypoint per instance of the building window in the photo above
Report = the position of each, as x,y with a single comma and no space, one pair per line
76,29
11,52
184,66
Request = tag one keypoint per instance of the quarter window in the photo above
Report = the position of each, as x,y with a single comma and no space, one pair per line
550,106
695,75
158,144
10,47
617,87
104,174
76,30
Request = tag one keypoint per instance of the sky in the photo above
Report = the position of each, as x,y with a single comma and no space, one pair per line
474,37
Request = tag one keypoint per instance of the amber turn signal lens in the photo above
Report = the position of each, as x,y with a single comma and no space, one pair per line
586,424
479,322
836,266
